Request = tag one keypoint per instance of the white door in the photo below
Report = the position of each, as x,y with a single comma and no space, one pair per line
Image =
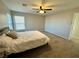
74,34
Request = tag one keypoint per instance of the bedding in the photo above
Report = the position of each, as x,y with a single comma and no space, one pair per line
12,34
25,41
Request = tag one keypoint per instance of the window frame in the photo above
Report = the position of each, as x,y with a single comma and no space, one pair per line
16,23
10,22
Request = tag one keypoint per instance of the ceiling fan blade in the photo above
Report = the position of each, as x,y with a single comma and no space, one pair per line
47,9
25,5
35,9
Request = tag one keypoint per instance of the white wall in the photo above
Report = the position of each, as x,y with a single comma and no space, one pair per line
60,23
3,15
33,22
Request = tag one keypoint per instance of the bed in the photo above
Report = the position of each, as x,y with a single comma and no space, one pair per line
25,41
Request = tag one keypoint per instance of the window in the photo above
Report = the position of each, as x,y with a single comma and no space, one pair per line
10,22
19,23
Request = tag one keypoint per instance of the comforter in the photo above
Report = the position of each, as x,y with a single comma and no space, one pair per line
25,41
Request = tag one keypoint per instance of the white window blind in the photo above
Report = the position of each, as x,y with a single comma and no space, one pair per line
19,23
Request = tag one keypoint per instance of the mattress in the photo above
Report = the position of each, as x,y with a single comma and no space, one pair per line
27,40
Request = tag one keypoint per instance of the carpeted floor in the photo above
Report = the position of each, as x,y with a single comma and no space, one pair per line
56,48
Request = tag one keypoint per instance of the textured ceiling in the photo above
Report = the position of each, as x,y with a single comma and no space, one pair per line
57,5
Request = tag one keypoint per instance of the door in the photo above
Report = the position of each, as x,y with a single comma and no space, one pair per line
74,34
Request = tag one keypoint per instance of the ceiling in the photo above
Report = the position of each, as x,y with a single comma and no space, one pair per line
57,5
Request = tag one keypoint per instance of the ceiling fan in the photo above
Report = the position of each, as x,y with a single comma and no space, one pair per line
42,8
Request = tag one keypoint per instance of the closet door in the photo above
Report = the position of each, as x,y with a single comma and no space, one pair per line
74,34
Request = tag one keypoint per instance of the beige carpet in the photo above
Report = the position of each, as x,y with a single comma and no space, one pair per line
56,48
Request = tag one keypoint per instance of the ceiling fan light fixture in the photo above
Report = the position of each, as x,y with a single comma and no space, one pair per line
41,11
